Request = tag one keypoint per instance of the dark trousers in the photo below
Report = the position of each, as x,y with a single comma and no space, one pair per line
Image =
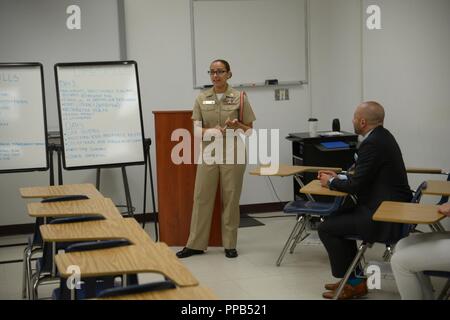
332,233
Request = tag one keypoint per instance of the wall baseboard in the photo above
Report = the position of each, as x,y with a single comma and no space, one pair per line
28,228
262,207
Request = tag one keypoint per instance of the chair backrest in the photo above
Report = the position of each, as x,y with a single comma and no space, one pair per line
71,197
418,193
37,237
135,289
92,285
337,203
442,274
444,199
97,245
408,228
77,219
415,199
47,254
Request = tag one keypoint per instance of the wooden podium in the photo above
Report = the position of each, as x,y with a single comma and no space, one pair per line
176,183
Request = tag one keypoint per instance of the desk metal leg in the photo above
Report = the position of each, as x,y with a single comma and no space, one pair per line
53,259
51,148
24,273
97,179
153,196
148,160
361,250
445,293
125,185
300,182
60,176
127,192
438,226
298,229
388,252
300,237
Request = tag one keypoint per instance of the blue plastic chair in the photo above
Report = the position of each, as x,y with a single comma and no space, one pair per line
91,287
136,289
35,245
437,227
305,210
45,266
362,248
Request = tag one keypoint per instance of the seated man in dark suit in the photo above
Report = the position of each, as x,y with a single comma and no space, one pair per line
379,175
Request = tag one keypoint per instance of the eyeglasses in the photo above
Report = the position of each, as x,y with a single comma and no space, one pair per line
218,72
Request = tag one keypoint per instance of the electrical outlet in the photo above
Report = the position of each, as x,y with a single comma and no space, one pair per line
281,94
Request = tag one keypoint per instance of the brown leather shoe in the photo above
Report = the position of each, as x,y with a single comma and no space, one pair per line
332,286
349,292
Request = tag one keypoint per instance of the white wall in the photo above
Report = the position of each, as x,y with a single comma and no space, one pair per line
336,61
36,31
405,66
158,37
407,69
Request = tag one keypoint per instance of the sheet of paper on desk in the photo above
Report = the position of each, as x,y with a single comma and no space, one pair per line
331,134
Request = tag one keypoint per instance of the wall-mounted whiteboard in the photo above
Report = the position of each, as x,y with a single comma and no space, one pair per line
23,129
261,39
36,31
100,114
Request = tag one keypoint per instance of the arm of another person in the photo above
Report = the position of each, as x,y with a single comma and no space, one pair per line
365,169
445,209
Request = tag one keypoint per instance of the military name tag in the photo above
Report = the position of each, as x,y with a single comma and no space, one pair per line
209,102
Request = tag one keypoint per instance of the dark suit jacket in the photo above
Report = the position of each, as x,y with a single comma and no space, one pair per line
379,175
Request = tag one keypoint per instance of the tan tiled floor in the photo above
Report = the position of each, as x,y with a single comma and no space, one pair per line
253,275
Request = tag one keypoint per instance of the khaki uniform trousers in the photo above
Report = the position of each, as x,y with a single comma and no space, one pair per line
231,178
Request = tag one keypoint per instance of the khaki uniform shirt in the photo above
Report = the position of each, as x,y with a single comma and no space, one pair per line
213,112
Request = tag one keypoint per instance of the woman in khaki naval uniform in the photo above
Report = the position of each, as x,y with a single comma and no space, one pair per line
218,108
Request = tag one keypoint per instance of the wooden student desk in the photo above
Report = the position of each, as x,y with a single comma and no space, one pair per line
425,170
185,293
437,188
285,170
97,206
314,188
127,228
405,212
63,190
127,260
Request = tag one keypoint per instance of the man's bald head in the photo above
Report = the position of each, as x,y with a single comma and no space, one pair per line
373,112
368,115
